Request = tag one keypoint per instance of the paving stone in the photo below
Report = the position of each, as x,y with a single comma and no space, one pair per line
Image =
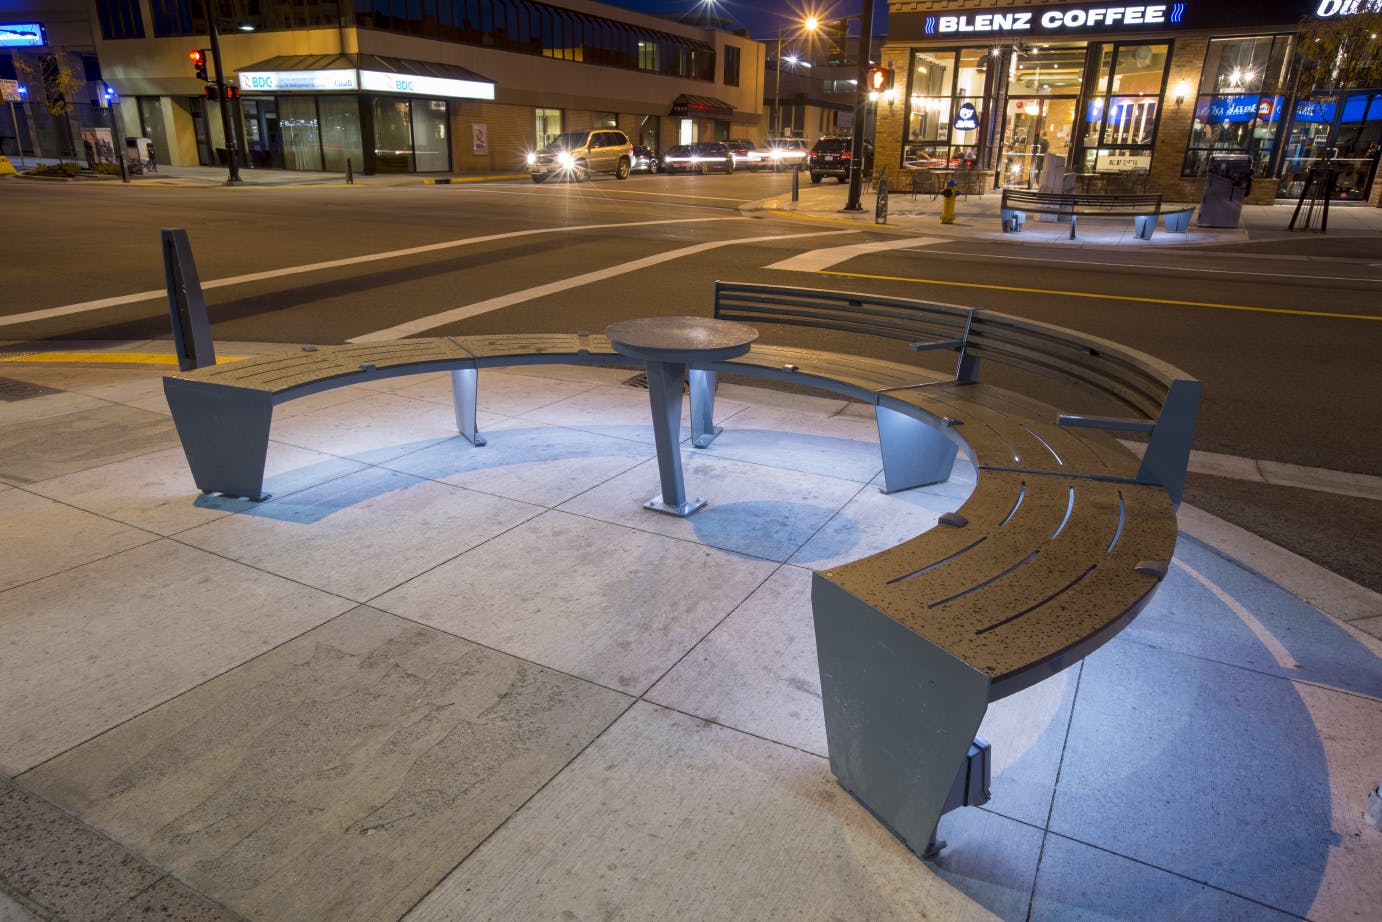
836,446
666,817
361,534
42,537
170,901
374,428
752,509
340,776
86,649
56,862
989,858
1211,772
609,604
44,448
533,463
1077,883
156,492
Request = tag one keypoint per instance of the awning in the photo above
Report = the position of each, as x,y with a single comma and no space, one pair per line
314,73
701,107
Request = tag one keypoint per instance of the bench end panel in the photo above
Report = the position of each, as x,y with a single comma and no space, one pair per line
900,713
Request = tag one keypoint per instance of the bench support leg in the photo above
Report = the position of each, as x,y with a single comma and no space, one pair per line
701,384
900,713
914,454
464,384
224,433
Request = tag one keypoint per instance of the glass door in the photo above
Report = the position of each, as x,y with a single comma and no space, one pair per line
1033,128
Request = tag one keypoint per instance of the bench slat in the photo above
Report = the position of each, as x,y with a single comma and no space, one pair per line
1022,612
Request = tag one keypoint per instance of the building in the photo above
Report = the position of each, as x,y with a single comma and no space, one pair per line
447,86
48,54
1132,94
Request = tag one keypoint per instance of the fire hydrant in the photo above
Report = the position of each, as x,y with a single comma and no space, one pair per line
948,205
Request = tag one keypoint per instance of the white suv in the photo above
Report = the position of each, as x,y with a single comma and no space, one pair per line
579,153
780,153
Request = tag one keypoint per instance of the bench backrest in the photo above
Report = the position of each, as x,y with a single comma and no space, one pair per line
1161,400
923,325
1112,200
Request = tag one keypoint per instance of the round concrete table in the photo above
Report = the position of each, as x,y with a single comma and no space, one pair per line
667,346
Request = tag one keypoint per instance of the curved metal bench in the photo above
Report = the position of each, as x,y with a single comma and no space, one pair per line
1063,541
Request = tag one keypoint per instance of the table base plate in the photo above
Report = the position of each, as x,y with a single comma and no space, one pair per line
657,505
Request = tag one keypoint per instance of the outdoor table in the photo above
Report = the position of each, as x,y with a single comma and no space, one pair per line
667,346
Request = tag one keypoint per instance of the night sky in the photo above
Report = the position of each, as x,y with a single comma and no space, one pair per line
762,17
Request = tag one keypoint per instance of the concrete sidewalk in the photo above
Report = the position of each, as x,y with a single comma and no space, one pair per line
427,681
977,218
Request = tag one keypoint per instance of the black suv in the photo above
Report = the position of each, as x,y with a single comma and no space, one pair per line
832,157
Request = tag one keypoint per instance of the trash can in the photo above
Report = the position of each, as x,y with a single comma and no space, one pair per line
1225,186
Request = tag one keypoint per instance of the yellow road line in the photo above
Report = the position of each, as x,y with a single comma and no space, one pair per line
101,358
1105,297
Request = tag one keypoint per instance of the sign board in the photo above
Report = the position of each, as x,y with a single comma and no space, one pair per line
413,85
22,35
1110,18
479,138
966,117
288,81
1120,163
9,91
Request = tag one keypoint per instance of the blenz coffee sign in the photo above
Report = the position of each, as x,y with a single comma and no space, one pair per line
1101,18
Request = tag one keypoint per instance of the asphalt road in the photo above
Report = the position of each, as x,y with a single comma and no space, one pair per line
1287,346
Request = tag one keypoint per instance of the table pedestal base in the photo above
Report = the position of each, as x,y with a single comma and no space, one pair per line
657,505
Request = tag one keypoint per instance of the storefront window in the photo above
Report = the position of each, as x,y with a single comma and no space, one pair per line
605,120
549,125
432,152
1120,120
1354,159
1043,87
297,125
340,132
648,133
941,82
393,135
1239,106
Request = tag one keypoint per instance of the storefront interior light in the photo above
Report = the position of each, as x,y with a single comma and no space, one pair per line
1182,91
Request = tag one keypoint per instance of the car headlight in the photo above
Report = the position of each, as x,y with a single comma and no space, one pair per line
566,160
532,159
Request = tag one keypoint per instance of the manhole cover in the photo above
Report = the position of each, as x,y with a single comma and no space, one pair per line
12,390
639,381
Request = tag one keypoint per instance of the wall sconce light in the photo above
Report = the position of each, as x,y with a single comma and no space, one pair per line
1182,90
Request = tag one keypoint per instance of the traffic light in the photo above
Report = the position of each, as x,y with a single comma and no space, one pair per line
880,79
213,92
199,57
231,92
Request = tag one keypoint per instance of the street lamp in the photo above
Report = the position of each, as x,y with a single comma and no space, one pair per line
810,24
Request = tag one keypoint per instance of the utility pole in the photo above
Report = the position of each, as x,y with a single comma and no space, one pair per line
861,107
233,175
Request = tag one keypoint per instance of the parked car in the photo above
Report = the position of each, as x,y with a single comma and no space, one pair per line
779,153
646,160
833,157
701,157
742,149
578,154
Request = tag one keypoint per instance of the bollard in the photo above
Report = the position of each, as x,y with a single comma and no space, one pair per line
796,182
948,205
186,307
880,207
350,173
